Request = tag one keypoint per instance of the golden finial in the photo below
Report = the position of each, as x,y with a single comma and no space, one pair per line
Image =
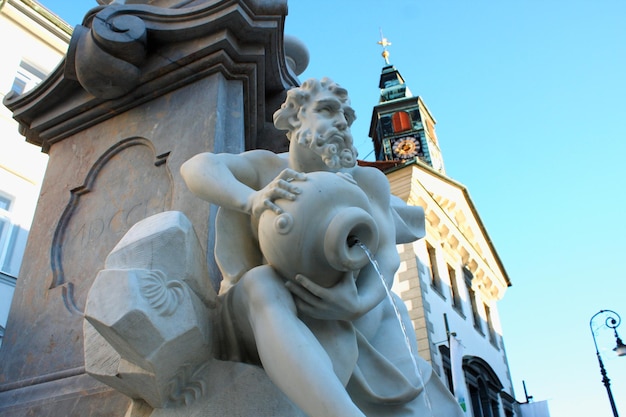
384,43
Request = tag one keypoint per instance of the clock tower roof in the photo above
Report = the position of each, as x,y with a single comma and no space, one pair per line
402,127
390,75
392,85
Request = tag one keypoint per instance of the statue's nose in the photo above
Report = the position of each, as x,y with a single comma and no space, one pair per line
340,121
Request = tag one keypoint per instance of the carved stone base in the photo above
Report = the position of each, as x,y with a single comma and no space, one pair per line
73,396
235,390
148,329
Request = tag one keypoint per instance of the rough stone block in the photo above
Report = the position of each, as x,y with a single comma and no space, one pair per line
149,315
140,314
165,242
155,337
106,365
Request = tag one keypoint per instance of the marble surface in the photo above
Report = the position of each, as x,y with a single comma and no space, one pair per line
207,78
336,347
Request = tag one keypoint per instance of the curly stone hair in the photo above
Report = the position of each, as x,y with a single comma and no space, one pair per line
288,116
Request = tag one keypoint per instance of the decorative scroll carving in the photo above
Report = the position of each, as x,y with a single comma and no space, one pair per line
188,385
106,58
241,39
114,50
97,216
162,295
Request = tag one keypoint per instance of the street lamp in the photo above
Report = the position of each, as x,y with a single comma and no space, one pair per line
612,321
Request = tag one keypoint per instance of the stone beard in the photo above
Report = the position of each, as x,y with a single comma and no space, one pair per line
333,146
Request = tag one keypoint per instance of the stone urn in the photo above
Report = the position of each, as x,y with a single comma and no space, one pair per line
317,233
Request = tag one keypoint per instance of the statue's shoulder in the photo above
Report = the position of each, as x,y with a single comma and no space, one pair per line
262,154
408,220
267,164
371,179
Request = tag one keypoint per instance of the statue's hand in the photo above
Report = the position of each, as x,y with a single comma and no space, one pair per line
339,302
280,187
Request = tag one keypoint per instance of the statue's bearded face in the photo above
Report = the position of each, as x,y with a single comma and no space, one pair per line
325,129
335,148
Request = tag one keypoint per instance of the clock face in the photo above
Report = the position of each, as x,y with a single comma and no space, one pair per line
406,147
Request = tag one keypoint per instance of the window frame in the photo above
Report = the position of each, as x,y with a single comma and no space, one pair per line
7,231
26,78
435,277
457,301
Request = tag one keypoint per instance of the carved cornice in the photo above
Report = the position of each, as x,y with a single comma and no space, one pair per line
41,16
453,221
124,55
487,278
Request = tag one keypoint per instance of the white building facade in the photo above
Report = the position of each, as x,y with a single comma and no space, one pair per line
35,40
451,282
453,279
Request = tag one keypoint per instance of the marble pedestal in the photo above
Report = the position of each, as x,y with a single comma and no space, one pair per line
198,77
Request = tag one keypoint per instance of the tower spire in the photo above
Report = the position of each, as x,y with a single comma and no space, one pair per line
402,127
384,43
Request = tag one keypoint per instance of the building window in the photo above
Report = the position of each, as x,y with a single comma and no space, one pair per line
435,279
484,387
454,289
386,150
477,322
5,203
393,91
484,402
27,77
508,403
416,118
447,365
477,408
401,121
492,333
8,234
467,274
386,126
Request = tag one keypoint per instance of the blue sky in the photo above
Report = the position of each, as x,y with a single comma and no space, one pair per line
530,100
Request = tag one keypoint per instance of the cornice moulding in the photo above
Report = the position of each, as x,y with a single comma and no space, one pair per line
43,17
170,48
485,266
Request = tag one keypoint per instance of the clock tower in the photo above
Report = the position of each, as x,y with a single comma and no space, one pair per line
402,127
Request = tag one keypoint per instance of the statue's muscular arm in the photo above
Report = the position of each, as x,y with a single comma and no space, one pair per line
238,182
